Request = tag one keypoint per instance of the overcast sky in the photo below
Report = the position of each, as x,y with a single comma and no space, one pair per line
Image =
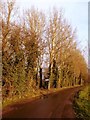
76,12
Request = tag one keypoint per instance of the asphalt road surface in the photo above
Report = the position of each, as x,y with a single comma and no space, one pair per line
56,105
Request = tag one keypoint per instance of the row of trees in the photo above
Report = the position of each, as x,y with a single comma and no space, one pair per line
67,66
34,41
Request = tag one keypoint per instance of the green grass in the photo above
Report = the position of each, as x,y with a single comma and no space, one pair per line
29,95
82,104
20,98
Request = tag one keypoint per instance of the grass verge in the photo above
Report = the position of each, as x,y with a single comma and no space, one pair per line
82,104
30,96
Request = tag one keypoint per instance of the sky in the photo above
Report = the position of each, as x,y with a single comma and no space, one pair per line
76,12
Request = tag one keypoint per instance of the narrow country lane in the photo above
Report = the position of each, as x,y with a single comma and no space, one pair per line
56,105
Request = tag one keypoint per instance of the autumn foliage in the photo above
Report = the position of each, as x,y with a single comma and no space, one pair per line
36,41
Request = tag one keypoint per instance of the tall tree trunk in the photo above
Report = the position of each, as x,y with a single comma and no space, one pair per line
36,77
40,77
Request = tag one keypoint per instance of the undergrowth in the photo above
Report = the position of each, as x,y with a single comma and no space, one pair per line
82,104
